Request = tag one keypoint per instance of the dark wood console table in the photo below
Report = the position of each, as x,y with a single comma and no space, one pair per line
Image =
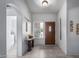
30,44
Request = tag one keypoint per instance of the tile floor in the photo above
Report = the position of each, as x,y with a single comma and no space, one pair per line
46,52
12,53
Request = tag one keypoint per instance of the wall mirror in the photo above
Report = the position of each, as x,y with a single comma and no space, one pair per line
60,30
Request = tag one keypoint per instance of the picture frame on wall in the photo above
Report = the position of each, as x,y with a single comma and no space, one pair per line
71,26
77,28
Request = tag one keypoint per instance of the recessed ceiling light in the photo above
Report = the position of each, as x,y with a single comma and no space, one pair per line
44,3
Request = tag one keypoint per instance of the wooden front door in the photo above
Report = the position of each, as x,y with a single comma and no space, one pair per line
49,33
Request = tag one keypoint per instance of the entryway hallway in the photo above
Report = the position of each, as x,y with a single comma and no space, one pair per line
59,40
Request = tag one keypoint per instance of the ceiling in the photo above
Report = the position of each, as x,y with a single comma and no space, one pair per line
35,6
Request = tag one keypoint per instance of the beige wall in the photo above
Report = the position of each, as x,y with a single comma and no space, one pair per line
73,38
62,42
2,28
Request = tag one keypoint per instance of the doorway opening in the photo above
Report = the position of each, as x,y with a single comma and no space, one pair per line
11,32
41,30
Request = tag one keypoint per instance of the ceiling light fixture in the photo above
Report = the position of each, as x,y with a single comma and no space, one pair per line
44,3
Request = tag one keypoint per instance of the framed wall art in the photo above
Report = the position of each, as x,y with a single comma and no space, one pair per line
71,26
77,28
